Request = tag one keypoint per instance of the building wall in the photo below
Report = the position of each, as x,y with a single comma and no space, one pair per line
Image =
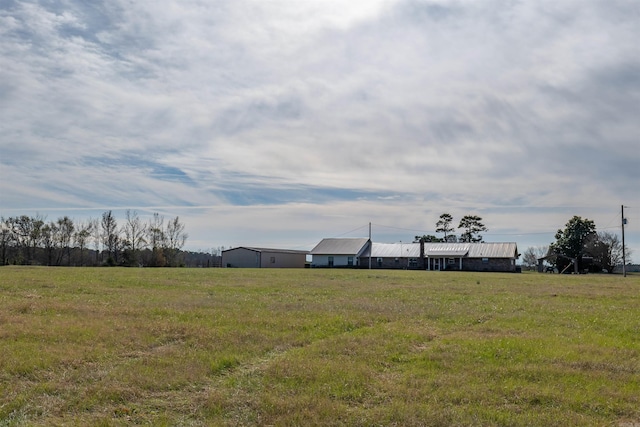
338,260
247,258
282,260
492,264
468,264
443,263
390,263
241,258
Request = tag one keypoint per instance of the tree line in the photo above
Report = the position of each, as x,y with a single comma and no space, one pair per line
579,242
95,241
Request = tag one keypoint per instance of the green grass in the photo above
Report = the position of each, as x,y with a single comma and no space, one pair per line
317,347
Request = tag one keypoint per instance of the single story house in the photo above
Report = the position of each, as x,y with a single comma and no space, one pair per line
422,256
471,256
246,257
337,252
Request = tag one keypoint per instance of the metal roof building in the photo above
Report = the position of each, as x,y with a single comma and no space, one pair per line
393,250
493,250
446,249
461,256
337,246
469,250
250,257
471,256
335,252
444,256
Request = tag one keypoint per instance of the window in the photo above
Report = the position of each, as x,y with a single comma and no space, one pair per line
379,261
413,262
451,261
273,260
485,260
330,261
350,261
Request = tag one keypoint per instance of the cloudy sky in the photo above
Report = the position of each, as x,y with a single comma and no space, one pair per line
279,122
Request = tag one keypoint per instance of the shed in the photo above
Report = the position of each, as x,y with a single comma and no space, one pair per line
249,257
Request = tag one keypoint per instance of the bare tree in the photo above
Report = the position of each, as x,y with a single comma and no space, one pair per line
23,232
110,236
7,240
156,239
96,235
175,240
66,229
134,232
81,237
529,258
155,231
541,251
50,241
606,249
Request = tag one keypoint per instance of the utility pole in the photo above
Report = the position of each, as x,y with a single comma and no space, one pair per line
370,246
624,260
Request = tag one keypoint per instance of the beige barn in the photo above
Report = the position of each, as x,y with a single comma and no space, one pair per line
247,257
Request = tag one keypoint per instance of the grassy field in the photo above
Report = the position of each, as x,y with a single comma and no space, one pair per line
317,347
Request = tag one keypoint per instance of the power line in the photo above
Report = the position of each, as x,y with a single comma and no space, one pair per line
354,230
486,233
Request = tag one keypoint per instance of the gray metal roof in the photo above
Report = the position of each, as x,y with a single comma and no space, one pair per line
336,246
394,250
354,246
472,250
493,250
468,250
282,251
446,249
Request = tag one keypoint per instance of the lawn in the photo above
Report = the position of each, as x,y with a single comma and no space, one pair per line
109,347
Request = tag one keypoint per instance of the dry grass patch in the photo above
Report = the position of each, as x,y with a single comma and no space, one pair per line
316,347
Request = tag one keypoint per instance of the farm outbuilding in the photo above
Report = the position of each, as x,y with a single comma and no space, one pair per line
248,257
336,252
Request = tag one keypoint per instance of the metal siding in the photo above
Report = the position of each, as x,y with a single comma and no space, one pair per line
285,259
245,257
241,258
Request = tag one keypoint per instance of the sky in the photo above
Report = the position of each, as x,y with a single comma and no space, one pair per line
276,123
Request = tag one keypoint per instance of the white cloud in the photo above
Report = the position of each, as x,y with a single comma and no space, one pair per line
459,105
